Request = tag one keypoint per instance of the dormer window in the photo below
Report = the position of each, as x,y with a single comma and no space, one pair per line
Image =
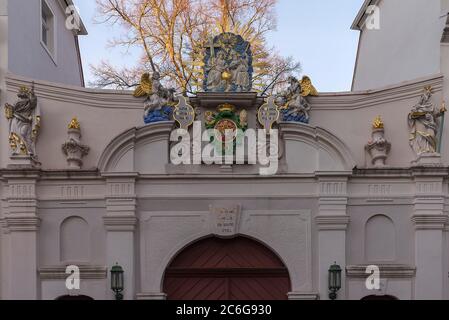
47,28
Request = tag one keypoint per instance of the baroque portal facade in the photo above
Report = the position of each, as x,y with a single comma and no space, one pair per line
87,179
339,195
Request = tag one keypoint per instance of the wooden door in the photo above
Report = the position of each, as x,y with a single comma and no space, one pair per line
219,269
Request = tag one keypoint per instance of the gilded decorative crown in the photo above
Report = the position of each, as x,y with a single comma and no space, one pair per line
74,124
226,107
378,123
24,90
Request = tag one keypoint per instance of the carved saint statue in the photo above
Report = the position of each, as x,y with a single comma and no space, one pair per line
24,123
296,108
241,79
423,125
228,64
216,68
159,102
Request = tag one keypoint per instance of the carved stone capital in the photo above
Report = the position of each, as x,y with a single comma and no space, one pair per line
120,223
332,222
21,223
430,222
86,272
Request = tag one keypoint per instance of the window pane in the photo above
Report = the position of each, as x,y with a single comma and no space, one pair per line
44,34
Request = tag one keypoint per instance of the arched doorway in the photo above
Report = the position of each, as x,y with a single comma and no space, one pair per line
74,298
220,269
379,298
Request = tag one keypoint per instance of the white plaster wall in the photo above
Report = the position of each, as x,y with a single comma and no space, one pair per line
286,232
3,70
401,289
28,57
53,289
400,215
52,215
406,47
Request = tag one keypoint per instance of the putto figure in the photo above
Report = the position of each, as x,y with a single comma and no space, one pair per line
159,102
228,64
24,123
423,125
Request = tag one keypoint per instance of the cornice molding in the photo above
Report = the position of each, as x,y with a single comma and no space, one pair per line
430,222
151,296
21,223
391,271
95,98
302,296
373,98
118,99
332,222
120,223
86,272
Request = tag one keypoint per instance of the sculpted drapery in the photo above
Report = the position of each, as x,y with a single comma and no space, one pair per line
423,125
24,123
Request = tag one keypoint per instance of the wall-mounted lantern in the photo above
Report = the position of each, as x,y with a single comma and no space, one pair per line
117,281
334,280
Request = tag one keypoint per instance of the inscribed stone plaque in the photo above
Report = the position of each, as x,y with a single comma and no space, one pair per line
225,220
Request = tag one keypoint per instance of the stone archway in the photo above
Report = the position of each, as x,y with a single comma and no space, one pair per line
74,298
379,298
227,269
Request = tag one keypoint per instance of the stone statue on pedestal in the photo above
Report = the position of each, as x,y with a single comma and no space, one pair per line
24,124
159,102
295,106
423,125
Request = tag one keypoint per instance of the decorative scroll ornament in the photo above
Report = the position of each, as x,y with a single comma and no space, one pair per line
24,124
159,101
228,64
294,100
72,148
268,114
184,113
423,125
378,147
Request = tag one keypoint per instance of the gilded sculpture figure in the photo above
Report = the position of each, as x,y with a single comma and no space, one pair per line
159,102
228,64
24,123
295,106
423,125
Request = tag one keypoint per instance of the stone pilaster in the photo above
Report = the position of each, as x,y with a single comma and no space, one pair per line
429,222
21,223
120,223
332,222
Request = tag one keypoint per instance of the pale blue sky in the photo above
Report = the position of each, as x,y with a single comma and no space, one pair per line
317,33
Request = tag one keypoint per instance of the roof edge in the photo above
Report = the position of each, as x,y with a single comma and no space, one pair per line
361,15
83,30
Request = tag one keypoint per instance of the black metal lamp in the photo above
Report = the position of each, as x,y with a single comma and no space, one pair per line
334,280
117,281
